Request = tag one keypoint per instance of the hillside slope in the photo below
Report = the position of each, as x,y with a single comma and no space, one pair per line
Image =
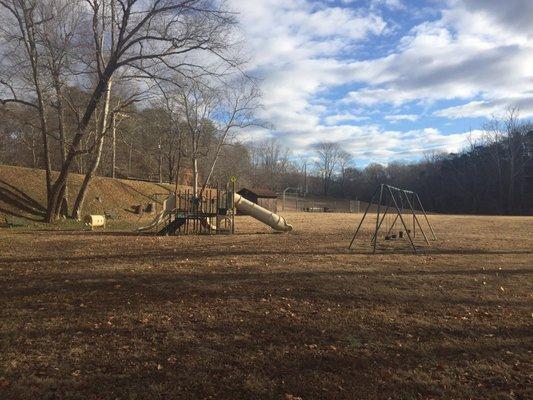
23,193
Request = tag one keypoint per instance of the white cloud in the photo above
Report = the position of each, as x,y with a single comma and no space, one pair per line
392,4
338,118
294,47
306,50
489,108
402,117
433,64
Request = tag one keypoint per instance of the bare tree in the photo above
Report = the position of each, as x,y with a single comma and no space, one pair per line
513,141
329,155
272,161
21,70
504,138
492,138
147,39
235,110
345,162
196,102
57,37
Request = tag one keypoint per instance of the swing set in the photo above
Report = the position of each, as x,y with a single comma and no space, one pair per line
398,202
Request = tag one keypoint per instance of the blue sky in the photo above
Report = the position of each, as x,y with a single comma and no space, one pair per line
388,79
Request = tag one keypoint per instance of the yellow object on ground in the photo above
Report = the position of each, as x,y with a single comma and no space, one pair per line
95,221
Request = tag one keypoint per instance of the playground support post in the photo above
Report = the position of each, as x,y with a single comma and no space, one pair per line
401,219
416,219
377,219
381,222
233,206
426,217
362,219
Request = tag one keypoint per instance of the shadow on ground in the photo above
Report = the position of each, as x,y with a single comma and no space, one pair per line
19,200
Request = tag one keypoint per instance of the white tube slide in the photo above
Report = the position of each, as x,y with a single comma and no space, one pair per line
275,221
156,221
168,205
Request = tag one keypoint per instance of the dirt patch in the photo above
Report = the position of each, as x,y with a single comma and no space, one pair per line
260,315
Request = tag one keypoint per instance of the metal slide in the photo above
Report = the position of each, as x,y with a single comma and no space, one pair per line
275,221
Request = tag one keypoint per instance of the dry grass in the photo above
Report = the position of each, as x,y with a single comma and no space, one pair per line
23,194
268,316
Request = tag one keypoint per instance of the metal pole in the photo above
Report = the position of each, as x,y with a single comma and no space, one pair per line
160,162
218,209
415,219
381,222
403,222
414,226
285,191
425,215
362,219
233,205
377,220
392,226
305,179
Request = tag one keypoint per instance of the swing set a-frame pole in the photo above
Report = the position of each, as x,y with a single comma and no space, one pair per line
377,219
426,216
392,203
382,219
401,219
362,219
415,217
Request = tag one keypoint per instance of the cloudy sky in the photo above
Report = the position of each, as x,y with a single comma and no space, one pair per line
389,79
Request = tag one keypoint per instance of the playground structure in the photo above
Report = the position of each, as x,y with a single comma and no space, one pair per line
213,212
398,201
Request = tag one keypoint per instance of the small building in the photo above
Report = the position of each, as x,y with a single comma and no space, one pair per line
262,197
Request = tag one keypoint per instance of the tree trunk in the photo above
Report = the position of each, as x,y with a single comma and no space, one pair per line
129,158
80,199
102,128
33,154
114,154
160,162
178,166
27,25
510,193
221,143
195,175
62,142
52,213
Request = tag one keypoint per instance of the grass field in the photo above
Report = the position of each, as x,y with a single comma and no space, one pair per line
110,315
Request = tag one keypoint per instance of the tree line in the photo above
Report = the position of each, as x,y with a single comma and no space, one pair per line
490,175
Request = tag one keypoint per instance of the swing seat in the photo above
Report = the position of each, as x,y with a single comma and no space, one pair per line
393,236
387,237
